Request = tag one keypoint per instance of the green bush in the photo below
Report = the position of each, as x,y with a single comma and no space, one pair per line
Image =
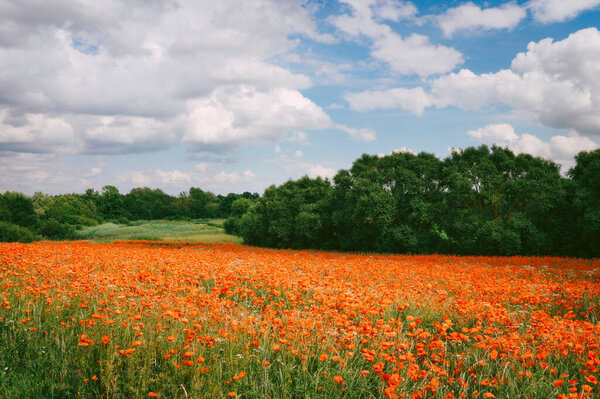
55,230
232,225
10,232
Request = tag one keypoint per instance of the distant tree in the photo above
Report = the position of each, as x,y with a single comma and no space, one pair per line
586,179
225,203
148,204
238,208
515,192
280,217
17,208
10,232
479,200
69,209
111,203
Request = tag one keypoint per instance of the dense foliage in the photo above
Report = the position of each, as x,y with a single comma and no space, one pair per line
482,200
485,201
26,219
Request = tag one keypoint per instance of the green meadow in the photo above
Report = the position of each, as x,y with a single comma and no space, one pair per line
202,230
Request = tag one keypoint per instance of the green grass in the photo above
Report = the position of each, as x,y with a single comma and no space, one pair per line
159,230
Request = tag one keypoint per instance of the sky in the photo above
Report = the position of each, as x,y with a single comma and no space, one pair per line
234,96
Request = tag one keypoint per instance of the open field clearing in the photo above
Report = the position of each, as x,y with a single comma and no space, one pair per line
159,230
134,320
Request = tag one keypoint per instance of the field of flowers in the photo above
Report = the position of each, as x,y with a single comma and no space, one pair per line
142,319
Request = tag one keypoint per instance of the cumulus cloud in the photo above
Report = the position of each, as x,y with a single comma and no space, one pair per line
413,100
560,148
404,55
234,177
360,134
295,167
173,177
555,82
299,137
91,77
50,173
394,10
233,117
547,11
35,133
469,16
137,178
315,171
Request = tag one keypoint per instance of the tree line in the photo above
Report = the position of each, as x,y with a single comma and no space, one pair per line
28,218
477,201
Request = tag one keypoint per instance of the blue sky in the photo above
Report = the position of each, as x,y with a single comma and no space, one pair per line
233,97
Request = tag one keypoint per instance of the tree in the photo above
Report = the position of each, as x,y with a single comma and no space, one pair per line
280,218
586,179
17,209
111,203
148,204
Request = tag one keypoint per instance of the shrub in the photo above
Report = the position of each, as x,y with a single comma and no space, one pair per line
55,230
10,232
232,225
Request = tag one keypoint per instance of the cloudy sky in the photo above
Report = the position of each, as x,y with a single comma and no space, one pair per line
234,96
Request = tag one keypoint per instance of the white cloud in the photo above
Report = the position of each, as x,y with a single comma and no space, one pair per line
206,166
95,171
571,145
469,16
547,11
298,154
233,117
411,55
81,76
277,149
321,171
360,134
38,175
234,177
416,55
501,134
297,168
137,178
561,149
35,133
50,173
394,10
555,83
110,134
299,137
331,73
173,177
414,100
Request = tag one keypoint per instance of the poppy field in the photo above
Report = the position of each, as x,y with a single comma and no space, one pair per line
183,320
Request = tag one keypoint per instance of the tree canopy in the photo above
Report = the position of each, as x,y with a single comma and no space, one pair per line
479,200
